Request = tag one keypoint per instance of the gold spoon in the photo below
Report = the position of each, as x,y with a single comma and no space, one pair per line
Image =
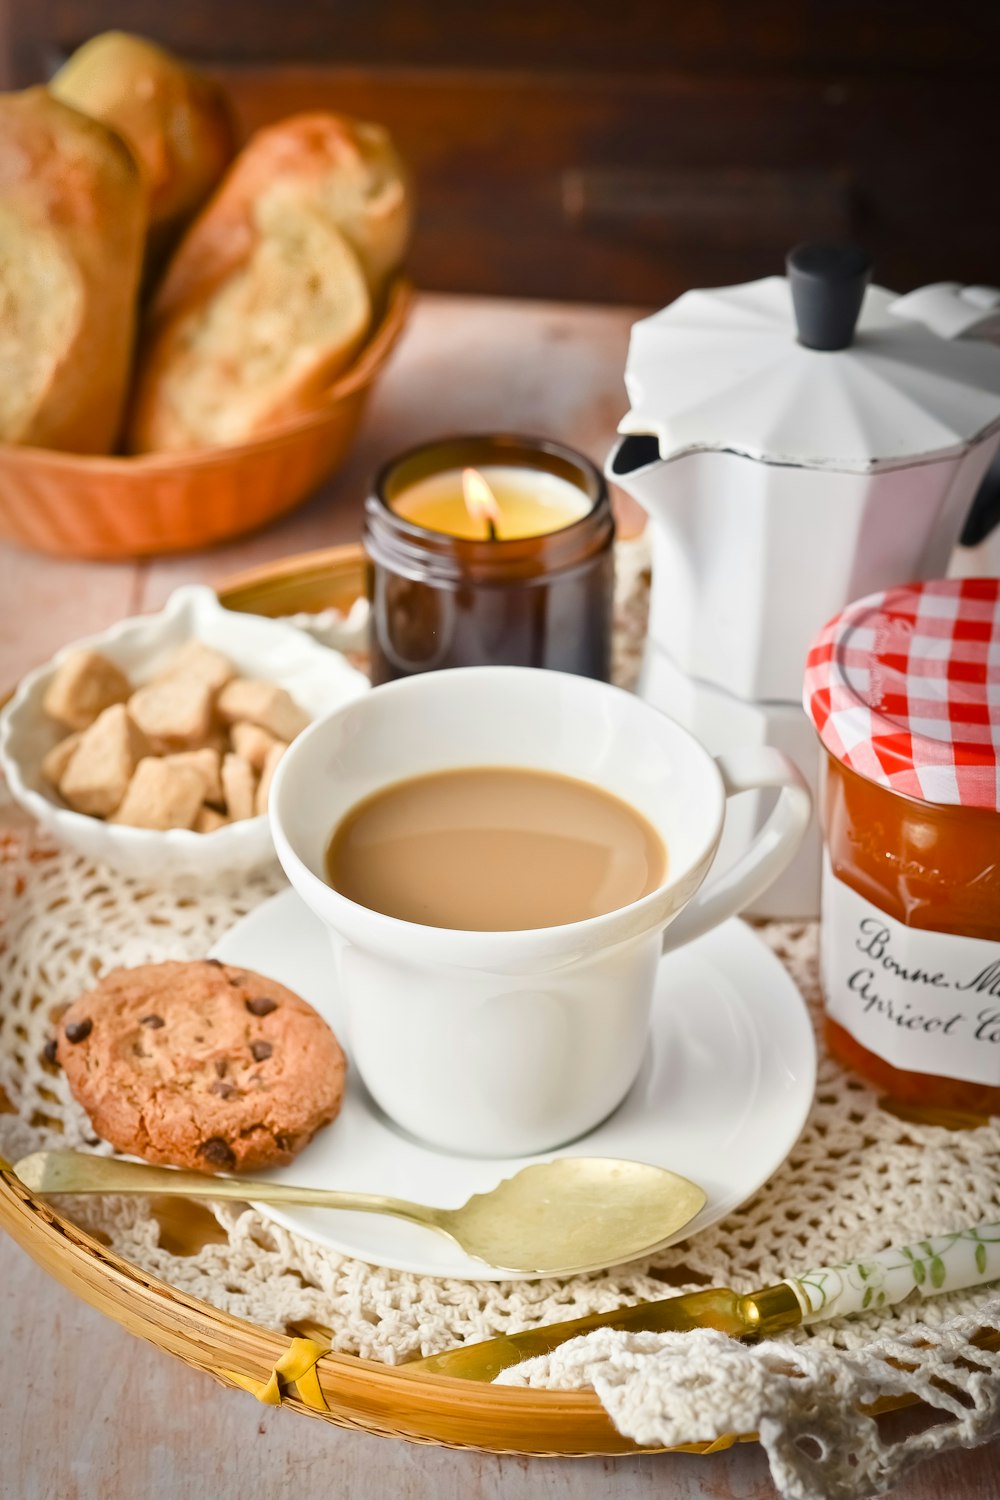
554,1218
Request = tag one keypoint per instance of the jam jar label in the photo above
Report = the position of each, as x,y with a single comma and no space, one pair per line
926,1002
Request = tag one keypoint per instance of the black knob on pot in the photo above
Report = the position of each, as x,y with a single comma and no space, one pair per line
828,286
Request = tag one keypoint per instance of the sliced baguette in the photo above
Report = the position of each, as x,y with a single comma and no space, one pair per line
72,222
259,343
273,289
347,169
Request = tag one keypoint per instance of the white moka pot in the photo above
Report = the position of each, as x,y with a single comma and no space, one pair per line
793,456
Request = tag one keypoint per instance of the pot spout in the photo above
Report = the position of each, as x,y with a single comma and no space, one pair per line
634,463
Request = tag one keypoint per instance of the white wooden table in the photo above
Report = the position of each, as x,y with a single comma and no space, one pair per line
86,1411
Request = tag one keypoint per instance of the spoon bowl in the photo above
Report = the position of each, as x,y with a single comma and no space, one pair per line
572,1214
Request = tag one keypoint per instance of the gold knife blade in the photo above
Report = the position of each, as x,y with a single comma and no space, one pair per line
768,1310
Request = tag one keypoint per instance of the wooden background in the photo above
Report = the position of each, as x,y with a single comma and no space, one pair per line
621,152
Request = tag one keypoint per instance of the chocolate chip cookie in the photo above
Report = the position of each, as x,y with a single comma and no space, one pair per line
201,1065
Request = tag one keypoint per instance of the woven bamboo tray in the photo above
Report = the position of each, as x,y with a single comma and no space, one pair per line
343,1389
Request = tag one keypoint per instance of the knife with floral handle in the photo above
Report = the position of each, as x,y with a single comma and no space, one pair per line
941,1263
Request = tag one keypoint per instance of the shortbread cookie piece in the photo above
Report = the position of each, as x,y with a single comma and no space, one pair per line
254,743
208,820
267,776
265,704
175,712
161,796
195,659
84,685
208,764
239,783
96,778
54,764
201,1065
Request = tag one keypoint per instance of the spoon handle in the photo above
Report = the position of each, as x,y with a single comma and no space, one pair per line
78,1172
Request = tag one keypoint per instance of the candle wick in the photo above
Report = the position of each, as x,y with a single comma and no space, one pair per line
491,529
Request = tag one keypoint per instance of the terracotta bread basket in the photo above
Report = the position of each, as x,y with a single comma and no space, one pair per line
75,505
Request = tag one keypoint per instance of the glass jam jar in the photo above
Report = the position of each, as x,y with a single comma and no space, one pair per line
904,690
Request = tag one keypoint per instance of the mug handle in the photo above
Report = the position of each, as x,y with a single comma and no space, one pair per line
771,851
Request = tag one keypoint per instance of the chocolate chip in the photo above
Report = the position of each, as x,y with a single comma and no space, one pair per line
260,1005
78,1031
224,1090
215,962
153,1022
221,1066
49,1052
261,1051
217,1152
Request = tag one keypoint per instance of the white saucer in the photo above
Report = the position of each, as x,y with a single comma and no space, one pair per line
721,1097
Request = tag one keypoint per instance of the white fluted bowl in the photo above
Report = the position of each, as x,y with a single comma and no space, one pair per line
318,678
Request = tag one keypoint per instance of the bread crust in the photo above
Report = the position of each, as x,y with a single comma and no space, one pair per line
309,154
70,190
177,122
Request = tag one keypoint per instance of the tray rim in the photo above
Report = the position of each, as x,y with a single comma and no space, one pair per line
361,1394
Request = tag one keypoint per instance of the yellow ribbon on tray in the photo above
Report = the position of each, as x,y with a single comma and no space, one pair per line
297,1366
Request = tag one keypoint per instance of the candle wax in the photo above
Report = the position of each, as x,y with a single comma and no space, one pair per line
533,502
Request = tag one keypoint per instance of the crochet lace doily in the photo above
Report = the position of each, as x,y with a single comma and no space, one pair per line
858,1180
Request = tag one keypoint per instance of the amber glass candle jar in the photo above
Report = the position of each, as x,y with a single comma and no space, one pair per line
904,689
528,583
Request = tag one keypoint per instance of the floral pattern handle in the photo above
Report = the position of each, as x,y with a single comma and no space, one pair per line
943,1263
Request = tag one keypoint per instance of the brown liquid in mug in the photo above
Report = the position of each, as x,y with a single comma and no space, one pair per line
494,849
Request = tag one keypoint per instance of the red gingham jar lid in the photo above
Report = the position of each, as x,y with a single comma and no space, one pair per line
904,688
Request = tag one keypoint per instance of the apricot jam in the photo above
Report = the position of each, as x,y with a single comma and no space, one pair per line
904,691
928,867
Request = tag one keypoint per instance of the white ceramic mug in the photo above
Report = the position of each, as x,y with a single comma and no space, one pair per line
510,1043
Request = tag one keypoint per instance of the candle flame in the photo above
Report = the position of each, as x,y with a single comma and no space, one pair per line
480,501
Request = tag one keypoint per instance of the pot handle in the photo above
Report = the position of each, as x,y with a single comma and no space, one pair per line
984,516
773,849
954,311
